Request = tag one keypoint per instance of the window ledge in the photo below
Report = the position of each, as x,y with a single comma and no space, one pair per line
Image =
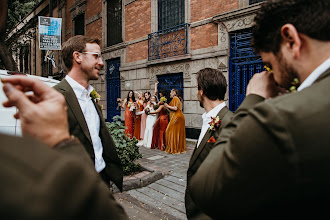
169,59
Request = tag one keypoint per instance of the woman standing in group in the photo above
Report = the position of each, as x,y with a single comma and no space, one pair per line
151,120
158,137
144,116
138,112
175,132
129,114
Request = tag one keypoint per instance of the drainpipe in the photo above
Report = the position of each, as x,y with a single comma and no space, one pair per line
50,67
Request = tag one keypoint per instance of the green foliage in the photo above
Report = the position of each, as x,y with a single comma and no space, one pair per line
127,150
18,9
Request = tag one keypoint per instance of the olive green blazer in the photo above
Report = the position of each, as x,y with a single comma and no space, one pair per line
272,160
198,156
78,127
42,183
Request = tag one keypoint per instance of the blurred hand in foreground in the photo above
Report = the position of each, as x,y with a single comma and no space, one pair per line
41,109
263,84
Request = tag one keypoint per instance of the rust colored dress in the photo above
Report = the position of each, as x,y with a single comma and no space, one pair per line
158,138
137,122
175,132
129,121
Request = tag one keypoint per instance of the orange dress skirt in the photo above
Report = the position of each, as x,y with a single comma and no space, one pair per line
137,122
158,138
175,133
129,122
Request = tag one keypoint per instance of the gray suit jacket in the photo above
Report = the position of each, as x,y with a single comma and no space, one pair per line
197,158
272,160
42,183
78,127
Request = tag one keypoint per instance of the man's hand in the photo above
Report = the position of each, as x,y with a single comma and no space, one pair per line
263,84
42,111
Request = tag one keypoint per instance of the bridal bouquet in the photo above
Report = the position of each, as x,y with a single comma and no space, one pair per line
147,111
131,106
162,100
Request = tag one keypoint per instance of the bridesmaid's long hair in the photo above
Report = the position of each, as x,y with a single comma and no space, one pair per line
144,95
177,93
133,97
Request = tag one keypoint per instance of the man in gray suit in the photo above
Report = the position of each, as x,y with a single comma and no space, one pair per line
212,87
273,159
82,57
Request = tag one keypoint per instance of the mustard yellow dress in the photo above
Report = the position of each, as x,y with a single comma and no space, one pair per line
175,133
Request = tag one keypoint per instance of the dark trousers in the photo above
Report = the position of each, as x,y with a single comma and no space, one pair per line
105,177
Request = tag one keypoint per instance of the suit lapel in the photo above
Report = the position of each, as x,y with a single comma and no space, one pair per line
206,137
74,107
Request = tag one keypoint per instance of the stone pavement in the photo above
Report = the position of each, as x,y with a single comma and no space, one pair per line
163,198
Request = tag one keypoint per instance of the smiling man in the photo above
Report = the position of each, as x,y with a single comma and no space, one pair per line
272,160
82,58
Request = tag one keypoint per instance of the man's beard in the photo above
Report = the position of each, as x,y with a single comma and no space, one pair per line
288,72
201,100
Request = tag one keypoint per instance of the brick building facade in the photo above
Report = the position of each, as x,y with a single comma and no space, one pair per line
145,41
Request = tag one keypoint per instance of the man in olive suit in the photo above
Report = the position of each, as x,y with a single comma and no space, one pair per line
272,160
40,177
82,57
211,92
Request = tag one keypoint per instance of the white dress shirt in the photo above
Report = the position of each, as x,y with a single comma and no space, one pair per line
315,74
92,119
207,119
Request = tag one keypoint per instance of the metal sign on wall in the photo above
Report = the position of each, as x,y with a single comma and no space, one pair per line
49,33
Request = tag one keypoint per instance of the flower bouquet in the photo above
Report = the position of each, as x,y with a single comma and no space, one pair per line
131,106
119,102
147,111
162,100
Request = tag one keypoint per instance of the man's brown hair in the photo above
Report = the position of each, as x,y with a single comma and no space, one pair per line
213,83
76,43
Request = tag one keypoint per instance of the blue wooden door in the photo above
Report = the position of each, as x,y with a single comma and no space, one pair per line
243,64
113,87
169,82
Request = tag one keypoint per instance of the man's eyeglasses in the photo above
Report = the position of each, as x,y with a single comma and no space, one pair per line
98,55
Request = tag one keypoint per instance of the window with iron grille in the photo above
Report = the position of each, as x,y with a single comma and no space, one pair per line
255,1
79,24
114,20
170,13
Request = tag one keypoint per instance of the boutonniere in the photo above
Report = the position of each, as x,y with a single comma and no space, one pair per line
215,123
211,140
95,96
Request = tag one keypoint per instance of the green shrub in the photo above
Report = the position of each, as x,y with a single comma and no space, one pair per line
127,150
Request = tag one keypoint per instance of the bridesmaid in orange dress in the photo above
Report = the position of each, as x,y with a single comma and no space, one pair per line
160,128
144,116
138,112
175,132
129,113
158,137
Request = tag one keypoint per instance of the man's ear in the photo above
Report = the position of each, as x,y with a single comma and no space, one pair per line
291,39
77,57
201,92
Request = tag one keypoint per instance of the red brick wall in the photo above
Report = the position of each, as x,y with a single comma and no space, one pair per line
68,22
137,19
95,29
204,36
138,51
201,9
93,7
